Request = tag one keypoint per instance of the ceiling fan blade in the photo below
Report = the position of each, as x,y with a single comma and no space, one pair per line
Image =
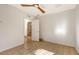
33,5
41,9
26,5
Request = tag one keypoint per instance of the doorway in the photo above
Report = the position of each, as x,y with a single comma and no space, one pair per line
31,32
27,28
27,34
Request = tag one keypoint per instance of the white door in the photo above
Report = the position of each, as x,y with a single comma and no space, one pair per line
35,30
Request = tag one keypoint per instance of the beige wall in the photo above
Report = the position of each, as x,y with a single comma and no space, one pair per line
77,28
11,27
58,28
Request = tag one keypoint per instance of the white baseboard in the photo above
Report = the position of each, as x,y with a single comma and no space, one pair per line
70,45
12,46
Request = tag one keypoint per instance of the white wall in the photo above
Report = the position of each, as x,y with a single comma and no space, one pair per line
58,28
77,28
11,27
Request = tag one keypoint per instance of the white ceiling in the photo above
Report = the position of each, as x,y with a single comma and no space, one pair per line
49,8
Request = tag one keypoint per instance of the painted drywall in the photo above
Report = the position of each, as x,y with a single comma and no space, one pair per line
77,28
11,27
58,28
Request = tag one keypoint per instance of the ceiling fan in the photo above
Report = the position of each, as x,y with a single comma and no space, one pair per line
34,5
